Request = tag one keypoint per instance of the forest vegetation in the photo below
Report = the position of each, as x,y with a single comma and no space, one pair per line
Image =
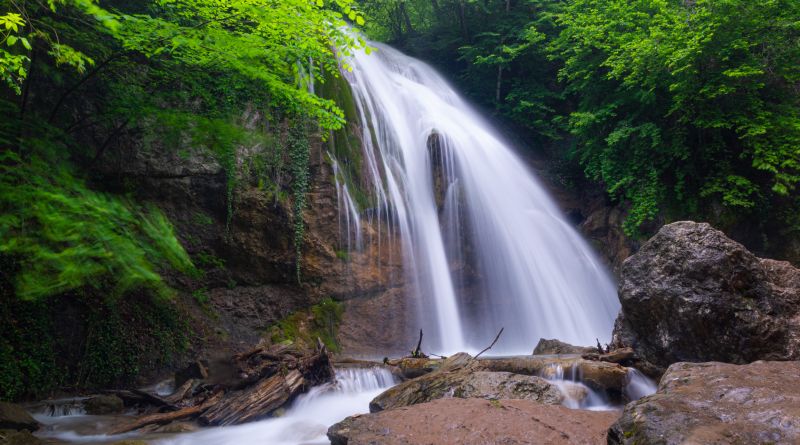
676,108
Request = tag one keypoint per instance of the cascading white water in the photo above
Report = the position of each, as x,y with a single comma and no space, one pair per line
305,422
309,417
528,270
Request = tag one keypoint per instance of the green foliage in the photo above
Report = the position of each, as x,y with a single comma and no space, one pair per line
44,346
299,152
680,109
304,327
66,236
682,105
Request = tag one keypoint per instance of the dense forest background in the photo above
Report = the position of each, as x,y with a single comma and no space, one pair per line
678,109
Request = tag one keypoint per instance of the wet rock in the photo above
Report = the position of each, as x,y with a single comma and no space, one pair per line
14,417
557,347
692,294
717,403
14,437
473,421
104,405
610,378
461,377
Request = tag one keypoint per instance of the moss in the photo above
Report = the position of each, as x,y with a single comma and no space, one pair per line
305,326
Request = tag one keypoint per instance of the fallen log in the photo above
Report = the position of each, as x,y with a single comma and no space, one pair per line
138,397
256,403
164,418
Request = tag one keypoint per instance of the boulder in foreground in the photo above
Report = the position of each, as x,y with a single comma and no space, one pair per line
716,403
475,421
14,417
693,295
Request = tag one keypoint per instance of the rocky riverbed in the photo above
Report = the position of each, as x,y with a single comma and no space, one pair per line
716,326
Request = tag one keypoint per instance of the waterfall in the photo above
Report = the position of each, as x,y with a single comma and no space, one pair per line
484,245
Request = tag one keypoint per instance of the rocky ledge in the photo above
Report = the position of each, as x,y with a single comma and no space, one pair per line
474,421
691,294
717,403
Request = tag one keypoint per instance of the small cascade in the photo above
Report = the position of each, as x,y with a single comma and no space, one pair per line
307,420
349,218
58,407
639,385
576,394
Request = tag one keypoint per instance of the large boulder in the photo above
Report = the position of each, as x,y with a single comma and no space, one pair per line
467,384
692,294
473,421
14,417
716,403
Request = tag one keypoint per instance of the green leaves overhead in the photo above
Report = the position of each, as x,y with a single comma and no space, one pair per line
681,103
65,236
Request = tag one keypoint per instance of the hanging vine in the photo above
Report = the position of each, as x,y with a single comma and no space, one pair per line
298,164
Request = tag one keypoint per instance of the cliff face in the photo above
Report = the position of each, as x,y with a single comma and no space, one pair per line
248,264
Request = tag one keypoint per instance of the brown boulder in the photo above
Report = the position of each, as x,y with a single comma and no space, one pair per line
717,403
467,384
475,421
14,417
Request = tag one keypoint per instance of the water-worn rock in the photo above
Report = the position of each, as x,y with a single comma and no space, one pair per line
478,384
717,403
692,294
103,405
14,417
557,347
462,377
475,421
610,378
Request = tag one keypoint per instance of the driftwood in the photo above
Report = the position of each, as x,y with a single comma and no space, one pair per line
138,397
182,393
491,345
269,378
164,418
258,402
417,352
621,355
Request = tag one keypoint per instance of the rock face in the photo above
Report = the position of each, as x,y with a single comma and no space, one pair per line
14,417
717,403
475,421
692,294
